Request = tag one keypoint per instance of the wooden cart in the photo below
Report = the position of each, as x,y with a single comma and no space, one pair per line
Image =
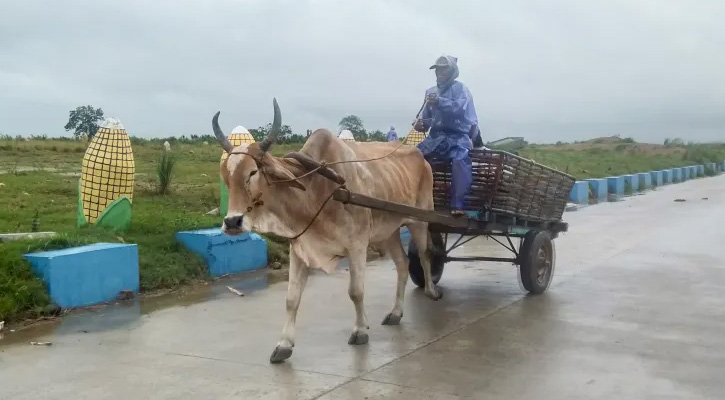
510,198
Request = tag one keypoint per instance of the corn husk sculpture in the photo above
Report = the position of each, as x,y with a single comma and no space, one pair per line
414,137
107,178
347,136
238,136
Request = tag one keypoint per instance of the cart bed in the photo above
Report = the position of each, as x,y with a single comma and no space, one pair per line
506,185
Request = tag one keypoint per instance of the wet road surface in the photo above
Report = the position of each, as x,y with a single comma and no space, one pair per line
636,311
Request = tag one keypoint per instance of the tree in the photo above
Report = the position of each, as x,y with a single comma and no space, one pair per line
377,136
260,133
84,120
354,124
285,132
295,138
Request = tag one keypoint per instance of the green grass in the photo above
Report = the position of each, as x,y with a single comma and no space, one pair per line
51,187
591,160
52,192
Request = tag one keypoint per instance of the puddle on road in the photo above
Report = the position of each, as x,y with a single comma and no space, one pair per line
127,315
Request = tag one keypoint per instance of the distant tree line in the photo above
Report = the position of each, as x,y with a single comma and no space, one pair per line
354,124
84,122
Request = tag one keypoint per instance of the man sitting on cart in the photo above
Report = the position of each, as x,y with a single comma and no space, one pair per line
450,115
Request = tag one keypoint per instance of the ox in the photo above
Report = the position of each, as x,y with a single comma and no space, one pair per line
278,195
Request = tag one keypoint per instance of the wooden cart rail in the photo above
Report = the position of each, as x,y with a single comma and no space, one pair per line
440,222
506,184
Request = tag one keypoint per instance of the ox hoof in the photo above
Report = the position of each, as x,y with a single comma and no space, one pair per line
435,294
280,354
358,338
392,319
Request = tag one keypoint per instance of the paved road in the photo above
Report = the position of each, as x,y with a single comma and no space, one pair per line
636,311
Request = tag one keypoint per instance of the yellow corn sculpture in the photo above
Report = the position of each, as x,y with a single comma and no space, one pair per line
347,136
107,178
238,136
414,137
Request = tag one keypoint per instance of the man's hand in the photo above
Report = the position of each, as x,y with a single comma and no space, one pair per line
432,99
419,125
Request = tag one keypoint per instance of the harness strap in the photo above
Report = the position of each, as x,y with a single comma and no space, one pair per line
309,224
312,166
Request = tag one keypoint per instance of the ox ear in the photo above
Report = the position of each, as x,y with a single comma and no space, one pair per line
283,176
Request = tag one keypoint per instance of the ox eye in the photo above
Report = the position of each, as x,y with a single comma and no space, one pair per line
251,174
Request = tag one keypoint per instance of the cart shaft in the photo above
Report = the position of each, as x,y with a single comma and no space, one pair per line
430,216
448,223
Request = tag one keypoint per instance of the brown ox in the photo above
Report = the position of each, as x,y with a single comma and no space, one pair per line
265,197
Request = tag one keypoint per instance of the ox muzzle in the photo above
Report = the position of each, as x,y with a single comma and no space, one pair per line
233,223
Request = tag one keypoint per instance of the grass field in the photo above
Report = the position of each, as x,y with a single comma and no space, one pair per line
41,176
612,156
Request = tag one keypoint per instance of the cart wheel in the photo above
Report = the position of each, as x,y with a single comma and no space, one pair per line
537,259
436,266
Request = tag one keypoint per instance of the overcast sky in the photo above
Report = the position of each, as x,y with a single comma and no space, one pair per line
547,70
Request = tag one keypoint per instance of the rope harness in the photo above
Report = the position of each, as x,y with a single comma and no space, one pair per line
321,166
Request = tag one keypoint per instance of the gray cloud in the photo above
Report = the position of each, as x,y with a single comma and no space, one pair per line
554,70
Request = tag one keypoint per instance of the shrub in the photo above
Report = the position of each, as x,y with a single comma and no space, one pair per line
165,170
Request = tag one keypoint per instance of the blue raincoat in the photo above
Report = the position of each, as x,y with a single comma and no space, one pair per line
392,135
450,122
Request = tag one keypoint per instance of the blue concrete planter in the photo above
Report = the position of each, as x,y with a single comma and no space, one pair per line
685,173
676,175
226,254
404,236
615,185
579,192
710,169
666,176
645,180
657,178
632,183
695,171
598,188
87,275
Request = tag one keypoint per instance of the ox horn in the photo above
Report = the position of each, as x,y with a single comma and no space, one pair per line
221,137
276,128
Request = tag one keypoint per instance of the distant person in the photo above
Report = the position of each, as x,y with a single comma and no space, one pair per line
392,134
450,115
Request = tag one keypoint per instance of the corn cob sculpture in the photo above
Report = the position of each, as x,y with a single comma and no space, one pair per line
238,136
414,137
347,136
105,189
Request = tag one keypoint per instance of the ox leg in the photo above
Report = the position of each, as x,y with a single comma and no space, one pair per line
395,248
356,290
298,272
419,233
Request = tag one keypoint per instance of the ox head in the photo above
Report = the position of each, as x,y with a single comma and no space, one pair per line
254,179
